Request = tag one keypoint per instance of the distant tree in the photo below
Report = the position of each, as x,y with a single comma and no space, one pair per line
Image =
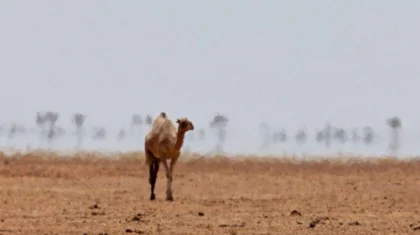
41,122
319,136
219,124
78,120
15,130
149,120
121,135
51,118
325,135
99,133
395,125
280,136
301,136
339,134
368,135
136,124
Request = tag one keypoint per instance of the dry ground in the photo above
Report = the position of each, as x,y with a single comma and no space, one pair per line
87,194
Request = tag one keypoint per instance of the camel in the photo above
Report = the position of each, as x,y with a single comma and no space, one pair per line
164,142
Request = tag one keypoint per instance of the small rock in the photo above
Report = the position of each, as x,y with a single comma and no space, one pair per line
232,225
137,217
94,207
129,230
295,213
414,227
97,213
355,223
200,214
318,220
313,223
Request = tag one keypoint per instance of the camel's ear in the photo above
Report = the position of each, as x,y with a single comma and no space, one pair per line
178,121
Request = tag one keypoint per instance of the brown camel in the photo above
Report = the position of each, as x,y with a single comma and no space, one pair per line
164,142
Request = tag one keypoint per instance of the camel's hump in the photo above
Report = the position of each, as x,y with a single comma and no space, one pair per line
163,114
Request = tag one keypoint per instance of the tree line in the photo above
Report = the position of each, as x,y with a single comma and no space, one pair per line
47,129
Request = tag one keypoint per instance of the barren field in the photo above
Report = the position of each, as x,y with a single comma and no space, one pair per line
90,194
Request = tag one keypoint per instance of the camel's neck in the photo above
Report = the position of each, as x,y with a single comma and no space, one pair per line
179,140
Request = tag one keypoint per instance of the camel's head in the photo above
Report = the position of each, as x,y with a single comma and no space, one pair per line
184,124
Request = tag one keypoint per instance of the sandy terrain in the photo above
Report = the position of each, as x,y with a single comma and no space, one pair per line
86,194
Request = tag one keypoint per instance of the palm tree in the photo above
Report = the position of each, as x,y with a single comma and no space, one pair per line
149,120
51,118
395,124
368,135
219,124
324,135
79,120
301,136
41,122
339,134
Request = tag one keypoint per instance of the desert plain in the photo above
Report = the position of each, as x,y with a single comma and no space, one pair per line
87,193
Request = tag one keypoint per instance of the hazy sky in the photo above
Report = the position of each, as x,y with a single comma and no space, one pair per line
291,62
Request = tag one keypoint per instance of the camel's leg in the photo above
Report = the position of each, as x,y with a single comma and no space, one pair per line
173,162
152,180
153,170
168,181
153,163
171,168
